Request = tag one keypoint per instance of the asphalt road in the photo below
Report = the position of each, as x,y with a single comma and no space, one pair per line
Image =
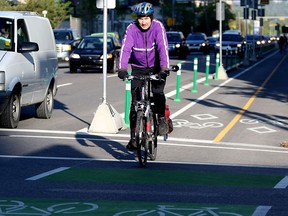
224,155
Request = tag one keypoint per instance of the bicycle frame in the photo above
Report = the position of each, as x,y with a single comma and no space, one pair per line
146,124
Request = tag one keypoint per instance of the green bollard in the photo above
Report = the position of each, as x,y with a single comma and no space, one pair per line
194,90
217,66
127,102
178,80
207,70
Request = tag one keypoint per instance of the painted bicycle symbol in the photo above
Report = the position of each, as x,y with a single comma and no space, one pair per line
18,208
277,122
164,210
177,123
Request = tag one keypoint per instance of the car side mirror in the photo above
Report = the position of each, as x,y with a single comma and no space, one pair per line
28,47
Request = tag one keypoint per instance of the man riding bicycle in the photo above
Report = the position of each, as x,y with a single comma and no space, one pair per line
145,47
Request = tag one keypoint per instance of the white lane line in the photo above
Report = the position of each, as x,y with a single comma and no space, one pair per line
62,85
45,174
216,88
170,140
261,210
239,148
282,184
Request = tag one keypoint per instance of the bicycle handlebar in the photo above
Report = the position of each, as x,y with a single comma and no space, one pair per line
173,68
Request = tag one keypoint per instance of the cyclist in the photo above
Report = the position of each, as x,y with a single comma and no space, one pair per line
145,47
282,43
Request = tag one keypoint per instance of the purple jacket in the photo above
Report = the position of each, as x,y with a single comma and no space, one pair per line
140,46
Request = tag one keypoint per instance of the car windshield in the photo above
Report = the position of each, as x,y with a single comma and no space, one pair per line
6,34
63,35
226,37
195,37
174,37
256,37
95,43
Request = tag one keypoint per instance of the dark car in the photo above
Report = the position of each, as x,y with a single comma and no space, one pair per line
212,42
177,44
198,42
258,40
88,55
231,44
66,40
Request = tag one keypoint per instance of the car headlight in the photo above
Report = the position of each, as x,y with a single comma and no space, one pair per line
203,44
109,56
2,80
239,45
217,44
75,56
177,45
66,47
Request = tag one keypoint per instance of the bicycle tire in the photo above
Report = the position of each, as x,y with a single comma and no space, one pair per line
153,141
141,139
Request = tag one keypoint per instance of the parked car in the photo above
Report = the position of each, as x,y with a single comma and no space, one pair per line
231,44
66,41
258,40
28,66
88,55
113,34
198,42
177,44
212,42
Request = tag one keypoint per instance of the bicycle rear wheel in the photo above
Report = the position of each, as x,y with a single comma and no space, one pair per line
153,139
141,139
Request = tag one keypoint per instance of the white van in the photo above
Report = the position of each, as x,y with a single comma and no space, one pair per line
28,66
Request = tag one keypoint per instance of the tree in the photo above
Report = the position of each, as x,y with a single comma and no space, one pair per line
57,11
87,11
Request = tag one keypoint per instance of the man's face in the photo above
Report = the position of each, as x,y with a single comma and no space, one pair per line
144,22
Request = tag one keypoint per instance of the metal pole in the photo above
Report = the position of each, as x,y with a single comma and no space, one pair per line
220,33
104,48
246,60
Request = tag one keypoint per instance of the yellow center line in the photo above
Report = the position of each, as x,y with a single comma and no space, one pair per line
221,135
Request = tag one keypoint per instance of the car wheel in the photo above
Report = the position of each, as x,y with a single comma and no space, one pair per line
114,69
73,70
45,108
11,114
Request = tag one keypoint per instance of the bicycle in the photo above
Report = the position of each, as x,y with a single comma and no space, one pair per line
146,130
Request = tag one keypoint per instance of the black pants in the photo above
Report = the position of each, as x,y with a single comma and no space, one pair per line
157,91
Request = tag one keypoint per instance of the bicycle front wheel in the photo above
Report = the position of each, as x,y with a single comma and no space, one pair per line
153,139
141,139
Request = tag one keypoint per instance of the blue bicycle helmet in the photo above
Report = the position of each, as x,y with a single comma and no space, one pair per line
143,9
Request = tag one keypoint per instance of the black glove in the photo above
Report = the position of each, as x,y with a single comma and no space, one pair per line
164,73
122,74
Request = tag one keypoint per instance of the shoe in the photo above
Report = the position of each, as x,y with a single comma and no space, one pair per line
163,126
131,145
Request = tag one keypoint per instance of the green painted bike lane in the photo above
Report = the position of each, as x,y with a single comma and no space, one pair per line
141,177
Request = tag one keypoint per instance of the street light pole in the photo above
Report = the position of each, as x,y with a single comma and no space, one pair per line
221,71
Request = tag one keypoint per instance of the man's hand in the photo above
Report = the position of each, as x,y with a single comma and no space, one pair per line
164,73
122,74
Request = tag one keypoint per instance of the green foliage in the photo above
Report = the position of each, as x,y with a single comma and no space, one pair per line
4,5
190,18
56,12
